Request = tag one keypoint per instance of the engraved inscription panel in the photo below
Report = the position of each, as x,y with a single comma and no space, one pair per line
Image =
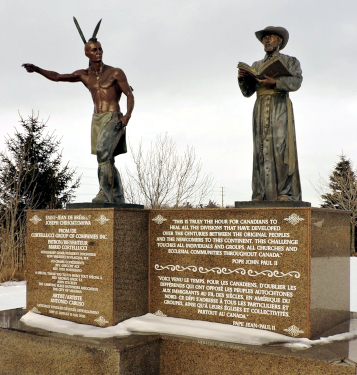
243,267
70,265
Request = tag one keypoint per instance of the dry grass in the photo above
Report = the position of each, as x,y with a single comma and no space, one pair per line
12,247
13,225
13,274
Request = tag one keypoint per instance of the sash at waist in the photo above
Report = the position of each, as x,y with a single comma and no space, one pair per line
264,91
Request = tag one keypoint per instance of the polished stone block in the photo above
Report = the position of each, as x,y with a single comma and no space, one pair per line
197,357
87,265
284,269
29,351
70,206
270,204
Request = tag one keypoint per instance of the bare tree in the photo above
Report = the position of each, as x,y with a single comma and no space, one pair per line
163,178
340,193
12,220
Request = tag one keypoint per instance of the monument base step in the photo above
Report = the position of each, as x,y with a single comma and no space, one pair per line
265,204
104,205
29,351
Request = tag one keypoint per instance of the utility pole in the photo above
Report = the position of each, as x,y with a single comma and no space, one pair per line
222,193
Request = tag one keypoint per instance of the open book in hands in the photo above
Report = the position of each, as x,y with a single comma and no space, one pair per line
272,68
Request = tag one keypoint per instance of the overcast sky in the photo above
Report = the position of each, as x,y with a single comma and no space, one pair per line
180,57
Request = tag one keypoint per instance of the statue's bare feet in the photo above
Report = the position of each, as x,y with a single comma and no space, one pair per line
100,198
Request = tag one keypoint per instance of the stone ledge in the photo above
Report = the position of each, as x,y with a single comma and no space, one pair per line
70,206
265,204
27,351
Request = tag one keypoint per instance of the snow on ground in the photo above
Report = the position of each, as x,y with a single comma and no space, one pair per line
153,324
13,295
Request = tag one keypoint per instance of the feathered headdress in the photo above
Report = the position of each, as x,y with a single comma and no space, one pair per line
95,32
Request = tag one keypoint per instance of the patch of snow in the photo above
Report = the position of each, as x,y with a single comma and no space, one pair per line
12,295
13,283
71,328
152,324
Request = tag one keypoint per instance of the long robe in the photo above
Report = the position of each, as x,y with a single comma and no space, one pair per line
275,162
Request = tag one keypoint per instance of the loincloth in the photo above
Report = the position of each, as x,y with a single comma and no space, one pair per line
99,122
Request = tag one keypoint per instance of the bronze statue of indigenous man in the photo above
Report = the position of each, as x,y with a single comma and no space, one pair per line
275,163
106,85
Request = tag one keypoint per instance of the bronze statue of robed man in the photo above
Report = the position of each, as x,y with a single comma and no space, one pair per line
275,162
106,85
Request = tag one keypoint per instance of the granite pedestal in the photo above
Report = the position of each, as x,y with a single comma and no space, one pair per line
87,265
270,204
283,269
29,351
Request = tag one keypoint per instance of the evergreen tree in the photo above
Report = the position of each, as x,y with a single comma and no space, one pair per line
32,169
343,193
31,177
342,183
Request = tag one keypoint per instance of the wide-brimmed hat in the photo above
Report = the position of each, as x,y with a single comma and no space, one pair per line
276,30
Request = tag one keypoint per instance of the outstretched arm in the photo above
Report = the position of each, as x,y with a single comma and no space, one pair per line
54,76
125,88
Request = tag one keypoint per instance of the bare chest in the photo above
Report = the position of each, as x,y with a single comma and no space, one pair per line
102,82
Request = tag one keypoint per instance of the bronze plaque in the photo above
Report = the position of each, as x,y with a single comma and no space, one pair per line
69,267
245,267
